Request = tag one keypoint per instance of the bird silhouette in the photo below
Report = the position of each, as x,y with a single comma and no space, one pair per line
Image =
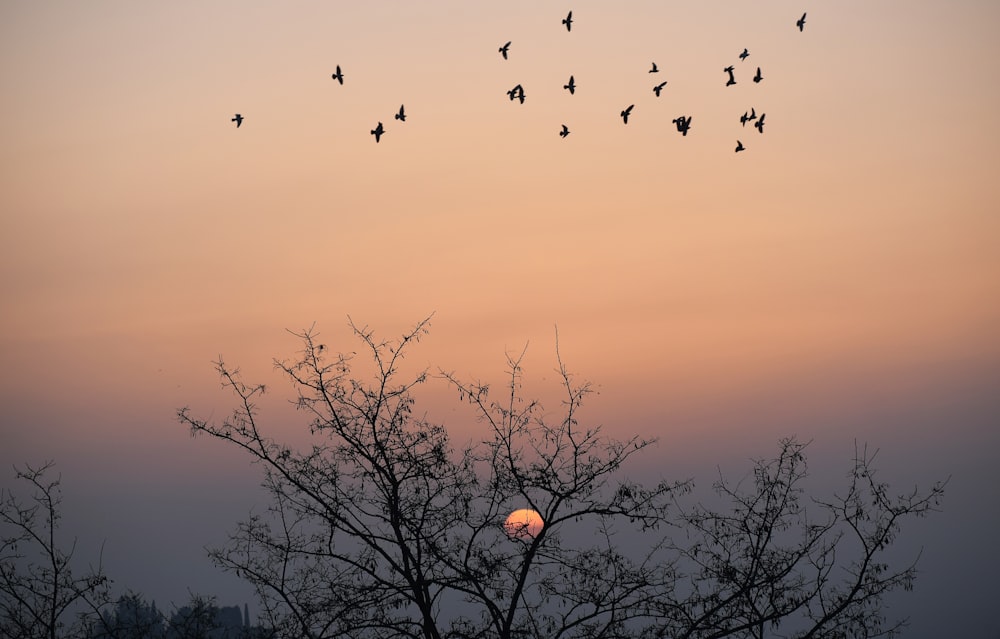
568,21
401,116
760,123
732,80
683,124
377,132
744,55
564,132
627,112
517,93
338,76
739,146
801,22
571,87
658,88
758,77
747,118
503,50
238,120
655,69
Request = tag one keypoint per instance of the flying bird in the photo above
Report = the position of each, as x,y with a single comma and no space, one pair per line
758,77
655,69
760,123
401,116
503,50
568,21
517,93
744,55
801,22
739,146
683,124
627,112
658,88
571,87
238,120
377,132
338,76
564,132
747,118
732,80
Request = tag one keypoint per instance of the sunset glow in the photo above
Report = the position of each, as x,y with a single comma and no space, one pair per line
837,280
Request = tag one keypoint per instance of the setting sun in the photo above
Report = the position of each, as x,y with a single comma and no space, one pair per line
523,523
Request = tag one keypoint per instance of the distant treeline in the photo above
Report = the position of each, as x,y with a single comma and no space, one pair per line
132,617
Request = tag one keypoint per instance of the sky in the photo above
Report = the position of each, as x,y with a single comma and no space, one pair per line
839,280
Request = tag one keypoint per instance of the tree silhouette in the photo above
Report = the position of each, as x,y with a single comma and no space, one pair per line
42,595
131,618
383,527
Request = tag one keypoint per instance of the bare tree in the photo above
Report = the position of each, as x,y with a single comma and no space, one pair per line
768,564
382,527
41,596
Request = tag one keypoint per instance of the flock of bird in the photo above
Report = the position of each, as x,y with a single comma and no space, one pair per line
683,123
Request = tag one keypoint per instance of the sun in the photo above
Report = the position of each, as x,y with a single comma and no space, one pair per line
523,524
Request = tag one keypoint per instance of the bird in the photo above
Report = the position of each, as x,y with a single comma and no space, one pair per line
378,131
338,76
747,118
503,50
568,21
683,124
627,112
801,22
238,120
760,123
655,69
744,55
517,93
732,80
571,87
758,77
658,88
739,146
564,132
401,116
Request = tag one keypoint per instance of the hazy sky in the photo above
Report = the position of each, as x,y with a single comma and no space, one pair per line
838,280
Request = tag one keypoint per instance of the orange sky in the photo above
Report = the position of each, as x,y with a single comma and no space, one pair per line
843,269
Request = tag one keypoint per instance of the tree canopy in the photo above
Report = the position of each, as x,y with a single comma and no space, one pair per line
385,527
